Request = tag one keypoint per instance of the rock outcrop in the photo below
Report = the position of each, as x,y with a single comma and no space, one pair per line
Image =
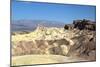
85,24
81,25
77,39
69,26
84,44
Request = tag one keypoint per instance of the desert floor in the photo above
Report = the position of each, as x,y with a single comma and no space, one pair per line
42,59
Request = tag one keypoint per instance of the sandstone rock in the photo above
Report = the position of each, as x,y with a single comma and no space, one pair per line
64,49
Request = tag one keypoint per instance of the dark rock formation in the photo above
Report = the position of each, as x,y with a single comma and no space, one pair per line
81,25
68,26
84,24
85,42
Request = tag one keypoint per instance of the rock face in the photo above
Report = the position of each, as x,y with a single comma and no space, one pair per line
84,44
77,39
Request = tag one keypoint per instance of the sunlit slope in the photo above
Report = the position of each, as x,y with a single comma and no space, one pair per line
42,41
43,33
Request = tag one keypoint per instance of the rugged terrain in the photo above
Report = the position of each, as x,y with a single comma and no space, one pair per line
75,41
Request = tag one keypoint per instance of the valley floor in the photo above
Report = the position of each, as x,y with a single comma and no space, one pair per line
42,59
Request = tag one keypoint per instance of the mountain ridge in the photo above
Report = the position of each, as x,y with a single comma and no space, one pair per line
22,25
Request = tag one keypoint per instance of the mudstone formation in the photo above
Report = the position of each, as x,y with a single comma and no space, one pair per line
76,40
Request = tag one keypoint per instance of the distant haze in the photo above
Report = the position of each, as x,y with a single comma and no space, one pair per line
29,25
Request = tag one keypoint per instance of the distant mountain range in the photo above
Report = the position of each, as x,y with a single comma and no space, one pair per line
29,25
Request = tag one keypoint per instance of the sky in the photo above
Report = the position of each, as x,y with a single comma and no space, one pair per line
50,11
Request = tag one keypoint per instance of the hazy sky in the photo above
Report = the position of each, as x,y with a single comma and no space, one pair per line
54,12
